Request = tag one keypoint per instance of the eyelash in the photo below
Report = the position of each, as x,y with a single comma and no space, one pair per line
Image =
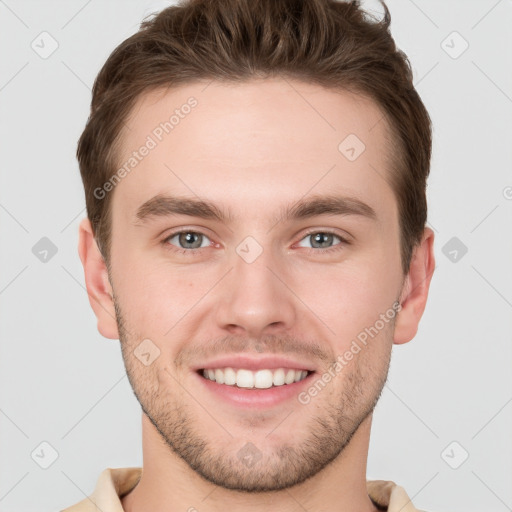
193,252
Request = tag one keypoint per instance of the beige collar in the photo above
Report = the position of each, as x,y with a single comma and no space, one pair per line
114,483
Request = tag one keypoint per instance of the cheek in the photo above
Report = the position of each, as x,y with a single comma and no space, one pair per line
153,296
146,380
350,298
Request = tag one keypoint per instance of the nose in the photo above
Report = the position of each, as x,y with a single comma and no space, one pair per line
255,299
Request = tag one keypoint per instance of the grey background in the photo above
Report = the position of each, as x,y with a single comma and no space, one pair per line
62,383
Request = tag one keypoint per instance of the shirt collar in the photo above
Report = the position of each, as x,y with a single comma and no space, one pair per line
114,483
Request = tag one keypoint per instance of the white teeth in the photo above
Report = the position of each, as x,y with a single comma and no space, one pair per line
244,379
261,379
229,376
290,377
278,379
301,376
219,376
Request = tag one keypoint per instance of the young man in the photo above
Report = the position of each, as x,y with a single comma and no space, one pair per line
255,177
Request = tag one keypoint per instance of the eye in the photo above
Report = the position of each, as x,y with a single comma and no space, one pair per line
322,240
188,240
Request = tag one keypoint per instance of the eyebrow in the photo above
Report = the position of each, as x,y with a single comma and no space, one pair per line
164,205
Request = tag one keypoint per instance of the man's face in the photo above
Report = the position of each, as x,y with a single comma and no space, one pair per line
284,291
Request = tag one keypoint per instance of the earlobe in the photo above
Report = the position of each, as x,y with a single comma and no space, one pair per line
415,290
97,282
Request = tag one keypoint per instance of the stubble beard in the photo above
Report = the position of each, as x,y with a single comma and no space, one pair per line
323,438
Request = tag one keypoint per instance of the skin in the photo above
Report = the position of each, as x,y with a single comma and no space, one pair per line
253,149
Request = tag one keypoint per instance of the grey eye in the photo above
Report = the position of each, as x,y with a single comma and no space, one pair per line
189,240
320,240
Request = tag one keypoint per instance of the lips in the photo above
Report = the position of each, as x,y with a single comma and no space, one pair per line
250,381
249,397
246,362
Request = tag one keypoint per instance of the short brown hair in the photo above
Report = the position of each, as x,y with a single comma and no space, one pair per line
325,42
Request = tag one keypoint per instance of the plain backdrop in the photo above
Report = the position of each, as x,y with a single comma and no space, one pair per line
443,427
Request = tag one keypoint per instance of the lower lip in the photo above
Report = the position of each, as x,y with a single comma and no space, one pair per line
253,397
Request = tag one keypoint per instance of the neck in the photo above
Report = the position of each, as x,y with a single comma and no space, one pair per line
169,484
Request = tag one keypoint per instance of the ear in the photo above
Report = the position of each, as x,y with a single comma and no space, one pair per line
413,297
97,282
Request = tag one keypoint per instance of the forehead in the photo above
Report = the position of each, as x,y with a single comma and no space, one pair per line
257,143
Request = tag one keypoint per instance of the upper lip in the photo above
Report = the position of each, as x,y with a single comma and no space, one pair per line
270,362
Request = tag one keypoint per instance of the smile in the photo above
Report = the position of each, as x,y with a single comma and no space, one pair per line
260,379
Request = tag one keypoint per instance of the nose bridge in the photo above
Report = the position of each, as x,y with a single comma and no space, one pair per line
253,299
